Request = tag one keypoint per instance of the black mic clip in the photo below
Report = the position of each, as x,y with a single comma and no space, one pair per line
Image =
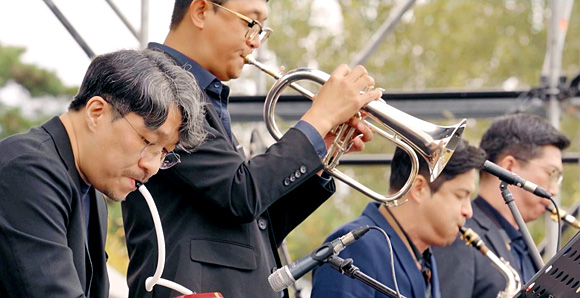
322,253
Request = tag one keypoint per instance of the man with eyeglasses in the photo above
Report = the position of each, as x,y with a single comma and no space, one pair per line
225,216
531,148
133,108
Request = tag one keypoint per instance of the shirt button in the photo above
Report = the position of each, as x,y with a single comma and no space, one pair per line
297,174
262,224
292,178
303,169
286,182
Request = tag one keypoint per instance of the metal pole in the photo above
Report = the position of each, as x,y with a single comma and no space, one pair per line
123,19
144,36
560,16
395,15
71,30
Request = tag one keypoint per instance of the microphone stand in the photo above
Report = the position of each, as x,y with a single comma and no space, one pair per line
509,200
347,268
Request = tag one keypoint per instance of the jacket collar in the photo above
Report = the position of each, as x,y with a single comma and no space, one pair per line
402,253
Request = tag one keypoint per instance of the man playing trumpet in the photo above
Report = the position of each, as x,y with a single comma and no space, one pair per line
531,148
224,216
431,216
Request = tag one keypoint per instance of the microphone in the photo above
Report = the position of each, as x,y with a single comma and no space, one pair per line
287,275
513,179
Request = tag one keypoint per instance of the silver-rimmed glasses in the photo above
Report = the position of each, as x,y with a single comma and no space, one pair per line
167,159
255,28
556,176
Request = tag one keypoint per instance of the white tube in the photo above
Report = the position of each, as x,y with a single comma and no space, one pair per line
156,278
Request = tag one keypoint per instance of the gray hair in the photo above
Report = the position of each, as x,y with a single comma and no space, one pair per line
148,83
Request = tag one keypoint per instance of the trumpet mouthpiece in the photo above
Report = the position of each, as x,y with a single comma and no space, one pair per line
249,59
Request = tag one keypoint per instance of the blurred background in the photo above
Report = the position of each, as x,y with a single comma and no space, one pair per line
440,61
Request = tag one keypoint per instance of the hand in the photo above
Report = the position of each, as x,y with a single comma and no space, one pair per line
364,133
340,98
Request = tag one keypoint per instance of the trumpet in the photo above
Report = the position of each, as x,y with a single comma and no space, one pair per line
512,278
567,218
434,143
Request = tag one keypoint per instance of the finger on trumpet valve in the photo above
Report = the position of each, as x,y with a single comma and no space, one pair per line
368,88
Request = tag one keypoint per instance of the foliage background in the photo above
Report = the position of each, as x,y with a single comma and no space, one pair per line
450,45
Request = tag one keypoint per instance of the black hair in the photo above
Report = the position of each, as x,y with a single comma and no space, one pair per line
180,9
521,136
464,159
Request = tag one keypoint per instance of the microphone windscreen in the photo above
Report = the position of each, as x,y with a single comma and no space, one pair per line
281,279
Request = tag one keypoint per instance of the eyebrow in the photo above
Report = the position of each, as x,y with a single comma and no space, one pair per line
256,12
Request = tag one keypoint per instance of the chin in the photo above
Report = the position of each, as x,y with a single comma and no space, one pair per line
115,196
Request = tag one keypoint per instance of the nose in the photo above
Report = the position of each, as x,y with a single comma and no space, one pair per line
150,165
466,210
255,42
554,189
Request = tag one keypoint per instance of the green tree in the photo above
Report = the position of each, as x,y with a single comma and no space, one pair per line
36,80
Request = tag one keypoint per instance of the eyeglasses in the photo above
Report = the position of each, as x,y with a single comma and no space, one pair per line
256,29
167,159
556,176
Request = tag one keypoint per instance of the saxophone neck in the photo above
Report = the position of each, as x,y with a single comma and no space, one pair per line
513,280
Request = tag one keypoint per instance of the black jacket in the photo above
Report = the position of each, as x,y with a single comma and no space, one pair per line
224,217
463,270
44,250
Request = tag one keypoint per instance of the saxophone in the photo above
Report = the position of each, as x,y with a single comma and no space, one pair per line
512,278
567,218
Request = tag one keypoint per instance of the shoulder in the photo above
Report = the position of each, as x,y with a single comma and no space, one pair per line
349,226
30,160
34,143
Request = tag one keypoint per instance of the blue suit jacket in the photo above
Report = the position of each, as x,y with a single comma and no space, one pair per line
371,255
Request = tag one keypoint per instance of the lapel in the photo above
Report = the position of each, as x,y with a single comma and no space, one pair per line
56,129
494,240
214,121
95,247
401,253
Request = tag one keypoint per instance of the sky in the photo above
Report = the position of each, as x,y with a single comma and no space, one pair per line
31,24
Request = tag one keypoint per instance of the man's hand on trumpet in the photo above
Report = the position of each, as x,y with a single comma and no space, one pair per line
340,98
363,134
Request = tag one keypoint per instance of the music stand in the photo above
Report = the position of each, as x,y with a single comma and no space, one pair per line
560,277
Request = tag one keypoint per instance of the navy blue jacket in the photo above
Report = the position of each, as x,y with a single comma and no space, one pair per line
464,271
371,255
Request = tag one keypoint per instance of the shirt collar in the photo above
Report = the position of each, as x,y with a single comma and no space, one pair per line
204,78
512,233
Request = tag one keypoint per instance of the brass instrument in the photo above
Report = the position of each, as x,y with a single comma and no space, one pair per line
567,218
512,278
434,143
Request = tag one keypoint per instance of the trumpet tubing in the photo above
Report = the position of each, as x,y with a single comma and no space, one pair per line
512,278
434,143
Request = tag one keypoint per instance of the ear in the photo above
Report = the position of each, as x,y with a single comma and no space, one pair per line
95,110
197,12
420,190
508,162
